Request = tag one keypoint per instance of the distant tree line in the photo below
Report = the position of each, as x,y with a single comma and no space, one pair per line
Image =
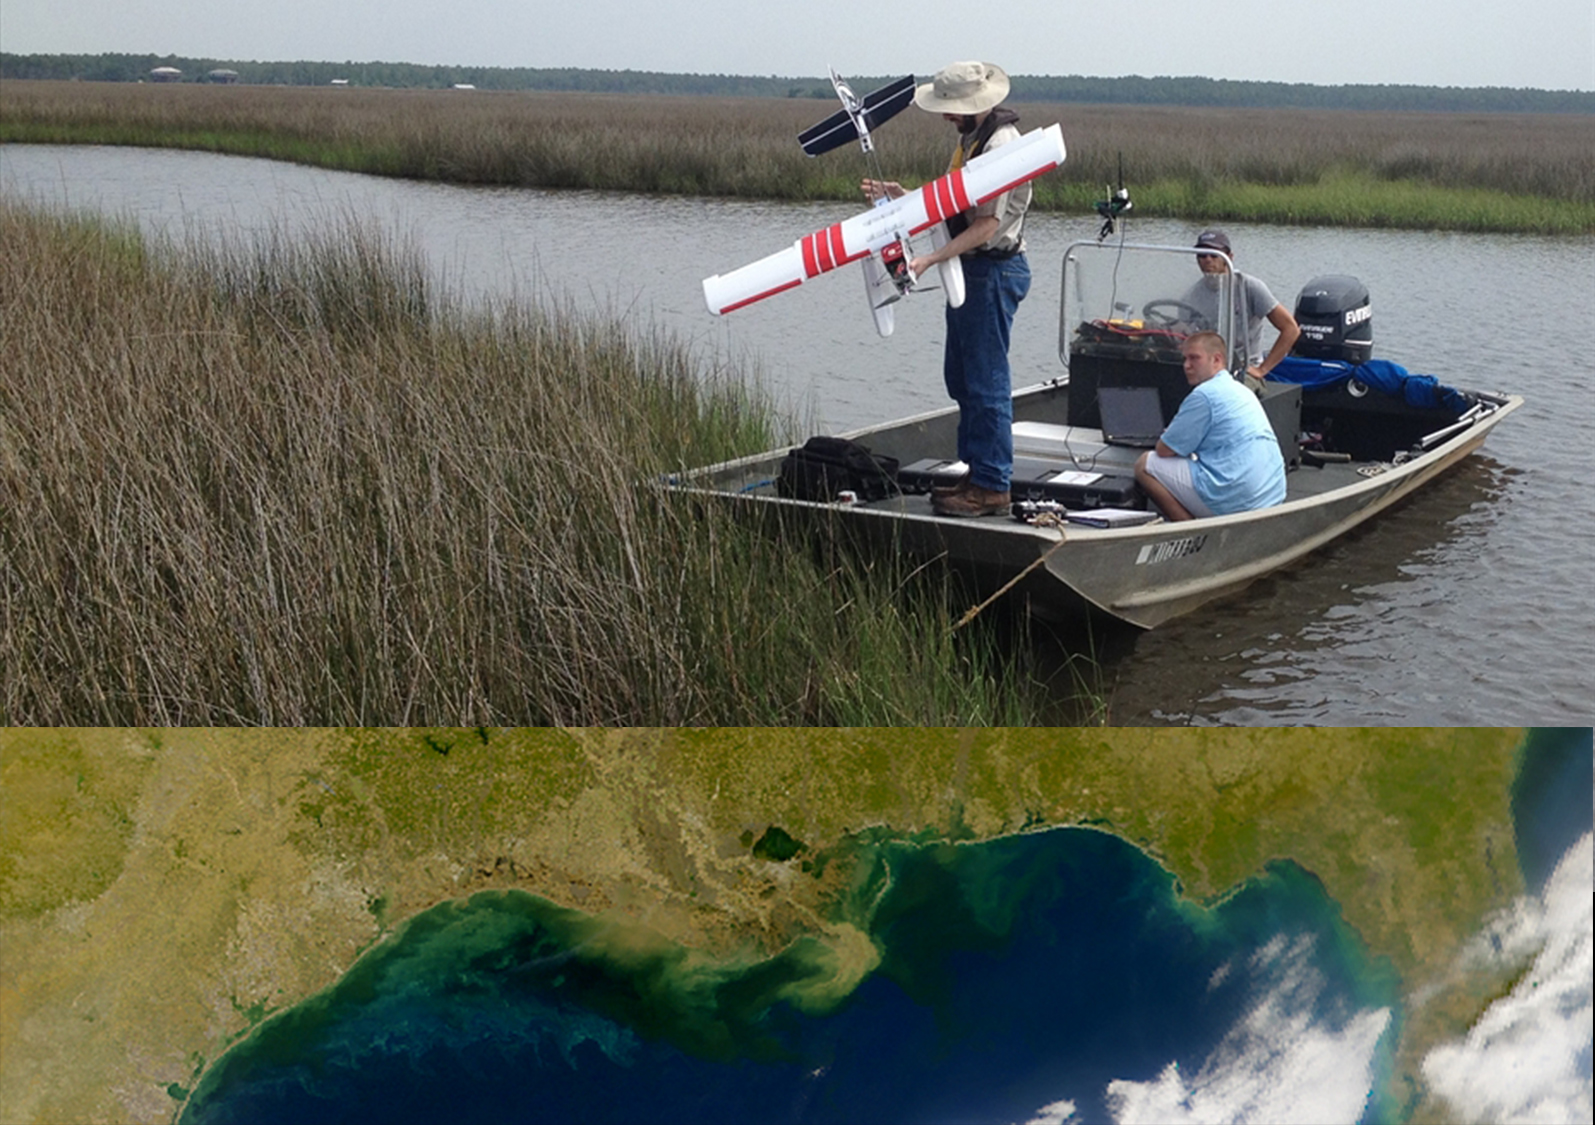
1134,90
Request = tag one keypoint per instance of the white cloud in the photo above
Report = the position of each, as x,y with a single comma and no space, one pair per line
1279,1064
1528,1057
1054,1114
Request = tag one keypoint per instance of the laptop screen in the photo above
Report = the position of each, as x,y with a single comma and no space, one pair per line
1130,412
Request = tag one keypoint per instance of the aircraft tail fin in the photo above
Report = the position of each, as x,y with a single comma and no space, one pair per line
876,108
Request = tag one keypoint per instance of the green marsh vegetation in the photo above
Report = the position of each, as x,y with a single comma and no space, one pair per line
1459,171
294,483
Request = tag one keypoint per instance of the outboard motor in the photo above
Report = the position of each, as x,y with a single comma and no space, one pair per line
1336,320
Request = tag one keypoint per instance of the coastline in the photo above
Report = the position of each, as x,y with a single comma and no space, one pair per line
964,933
255,868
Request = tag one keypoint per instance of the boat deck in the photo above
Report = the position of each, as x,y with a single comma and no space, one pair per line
1088,453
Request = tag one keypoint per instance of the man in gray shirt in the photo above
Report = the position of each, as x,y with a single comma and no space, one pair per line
1253,303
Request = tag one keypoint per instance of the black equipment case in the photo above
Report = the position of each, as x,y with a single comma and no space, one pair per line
824,467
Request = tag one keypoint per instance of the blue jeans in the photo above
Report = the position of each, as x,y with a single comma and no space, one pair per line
975,366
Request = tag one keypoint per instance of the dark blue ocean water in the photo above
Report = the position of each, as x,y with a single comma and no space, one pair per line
1551,798
1014,975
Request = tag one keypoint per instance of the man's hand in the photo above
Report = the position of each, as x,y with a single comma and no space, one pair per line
881,189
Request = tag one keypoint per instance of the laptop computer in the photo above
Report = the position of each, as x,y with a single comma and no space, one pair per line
1131,416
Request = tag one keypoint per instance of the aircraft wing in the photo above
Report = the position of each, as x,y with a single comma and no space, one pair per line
988,175
875,109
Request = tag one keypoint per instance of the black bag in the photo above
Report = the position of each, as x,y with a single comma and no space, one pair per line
826,466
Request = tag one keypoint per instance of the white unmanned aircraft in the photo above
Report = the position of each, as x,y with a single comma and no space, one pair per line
881,236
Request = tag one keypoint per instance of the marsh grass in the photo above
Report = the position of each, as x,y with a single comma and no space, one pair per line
289,482
1530,172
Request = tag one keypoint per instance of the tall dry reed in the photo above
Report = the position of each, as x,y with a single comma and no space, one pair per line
291,483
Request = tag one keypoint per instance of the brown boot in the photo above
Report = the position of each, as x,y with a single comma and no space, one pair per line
952,488
973,501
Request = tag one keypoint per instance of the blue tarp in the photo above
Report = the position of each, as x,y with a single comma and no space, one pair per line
1380,374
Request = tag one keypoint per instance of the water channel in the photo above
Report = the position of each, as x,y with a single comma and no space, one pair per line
1470,604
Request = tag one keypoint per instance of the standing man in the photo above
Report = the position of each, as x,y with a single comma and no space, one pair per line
1219,455
990,241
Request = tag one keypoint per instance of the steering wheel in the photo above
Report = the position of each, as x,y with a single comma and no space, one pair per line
1169,312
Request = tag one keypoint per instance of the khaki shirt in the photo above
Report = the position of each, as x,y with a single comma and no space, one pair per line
1009,207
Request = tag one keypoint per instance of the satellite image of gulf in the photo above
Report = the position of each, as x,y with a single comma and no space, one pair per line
1006,926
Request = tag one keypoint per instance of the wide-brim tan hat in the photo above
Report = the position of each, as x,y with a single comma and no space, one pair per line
963,87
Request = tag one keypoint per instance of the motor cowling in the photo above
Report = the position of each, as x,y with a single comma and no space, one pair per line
1336,320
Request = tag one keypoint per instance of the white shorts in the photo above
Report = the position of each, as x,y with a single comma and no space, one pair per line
1174,474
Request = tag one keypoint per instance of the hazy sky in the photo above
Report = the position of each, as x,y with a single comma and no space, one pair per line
1549,44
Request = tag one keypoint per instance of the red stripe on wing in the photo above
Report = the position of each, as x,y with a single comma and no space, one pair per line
944,197
811,265
825,250
761,296
822,247
955,178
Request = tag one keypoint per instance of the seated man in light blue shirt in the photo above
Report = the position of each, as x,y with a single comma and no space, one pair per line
1219,455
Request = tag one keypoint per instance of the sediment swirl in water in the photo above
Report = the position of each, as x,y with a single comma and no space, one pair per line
1002,981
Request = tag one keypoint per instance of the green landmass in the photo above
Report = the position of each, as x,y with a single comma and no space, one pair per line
162,892
1127,90
1273,161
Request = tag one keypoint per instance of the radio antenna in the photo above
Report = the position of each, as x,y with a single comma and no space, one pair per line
1114,206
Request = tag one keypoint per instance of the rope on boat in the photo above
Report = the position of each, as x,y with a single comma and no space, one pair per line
1016,579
